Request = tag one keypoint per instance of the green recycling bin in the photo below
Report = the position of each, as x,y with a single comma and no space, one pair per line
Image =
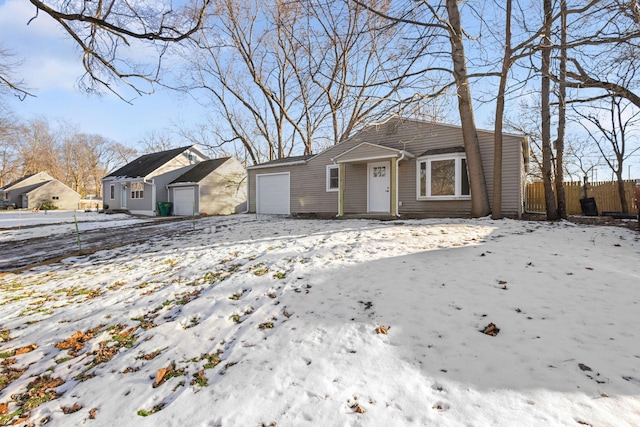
164,208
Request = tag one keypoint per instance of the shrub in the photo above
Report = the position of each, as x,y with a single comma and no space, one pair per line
48,206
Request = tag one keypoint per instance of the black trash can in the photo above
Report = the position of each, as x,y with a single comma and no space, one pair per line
589,207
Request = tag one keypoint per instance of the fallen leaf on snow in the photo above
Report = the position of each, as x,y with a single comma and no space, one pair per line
382,329
491,329
162,372
4,408
26,349
357,408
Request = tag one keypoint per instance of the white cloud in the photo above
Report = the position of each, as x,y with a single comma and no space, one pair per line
50,58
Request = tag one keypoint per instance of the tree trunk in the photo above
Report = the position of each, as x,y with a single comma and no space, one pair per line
562,114
479,196
621,192
496,209
547,169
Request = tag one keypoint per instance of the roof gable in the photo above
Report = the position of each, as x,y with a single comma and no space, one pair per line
367,151
43,176
146,164
201,170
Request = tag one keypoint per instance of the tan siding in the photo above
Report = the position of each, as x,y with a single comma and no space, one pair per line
224,191
66,197
355,197
309,193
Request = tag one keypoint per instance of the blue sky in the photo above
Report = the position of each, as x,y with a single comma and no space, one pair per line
52,67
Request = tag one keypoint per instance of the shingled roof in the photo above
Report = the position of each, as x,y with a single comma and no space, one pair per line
201,170
144,165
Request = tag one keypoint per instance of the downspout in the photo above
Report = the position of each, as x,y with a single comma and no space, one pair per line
246,211
398,160
340,189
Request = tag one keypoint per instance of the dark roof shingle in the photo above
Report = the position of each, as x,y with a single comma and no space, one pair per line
201,170
144,165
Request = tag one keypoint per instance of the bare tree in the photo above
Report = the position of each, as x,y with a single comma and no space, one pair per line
38,149
442,20
582,158
10,129
158,140
617,137
289,77
105,30
562,114
9,80
547,164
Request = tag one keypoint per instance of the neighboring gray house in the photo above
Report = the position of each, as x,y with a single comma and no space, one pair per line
31,191
403,167
184,176
212,187
141,184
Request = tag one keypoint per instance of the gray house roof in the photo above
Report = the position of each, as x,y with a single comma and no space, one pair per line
144,165
283,161
201,170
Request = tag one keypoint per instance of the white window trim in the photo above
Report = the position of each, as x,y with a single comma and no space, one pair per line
458,157
328,178
112,192
137,190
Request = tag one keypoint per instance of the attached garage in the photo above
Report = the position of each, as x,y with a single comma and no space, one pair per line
184,200
273,193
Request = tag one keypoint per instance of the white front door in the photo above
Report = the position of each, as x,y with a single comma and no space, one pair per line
379,187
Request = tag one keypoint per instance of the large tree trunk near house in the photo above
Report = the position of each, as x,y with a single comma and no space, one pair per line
496,208
562,114
547,169
479,196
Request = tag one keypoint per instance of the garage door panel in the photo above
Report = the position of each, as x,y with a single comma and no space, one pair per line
273,194
183,201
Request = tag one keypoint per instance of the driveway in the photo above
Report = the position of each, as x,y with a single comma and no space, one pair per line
20,254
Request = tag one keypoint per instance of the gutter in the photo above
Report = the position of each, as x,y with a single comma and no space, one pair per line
274,165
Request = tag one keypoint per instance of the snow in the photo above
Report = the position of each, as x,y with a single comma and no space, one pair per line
291,308
22,225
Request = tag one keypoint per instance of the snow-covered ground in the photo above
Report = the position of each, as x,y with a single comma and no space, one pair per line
20,225
279,322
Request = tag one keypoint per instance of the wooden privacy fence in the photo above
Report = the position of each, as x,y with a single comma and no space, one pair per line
605,193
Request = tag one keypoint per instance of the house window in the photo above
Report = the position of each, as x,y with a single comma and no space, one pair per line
333,178
443,177
137,190
112,192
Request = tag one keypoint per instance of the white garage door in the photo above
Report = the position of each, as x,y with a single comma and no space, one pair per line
183,201
273,193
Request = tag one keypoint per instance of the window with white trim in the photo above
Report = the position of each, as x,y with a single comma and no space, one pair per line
137,190
112,192
333,177
443,177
